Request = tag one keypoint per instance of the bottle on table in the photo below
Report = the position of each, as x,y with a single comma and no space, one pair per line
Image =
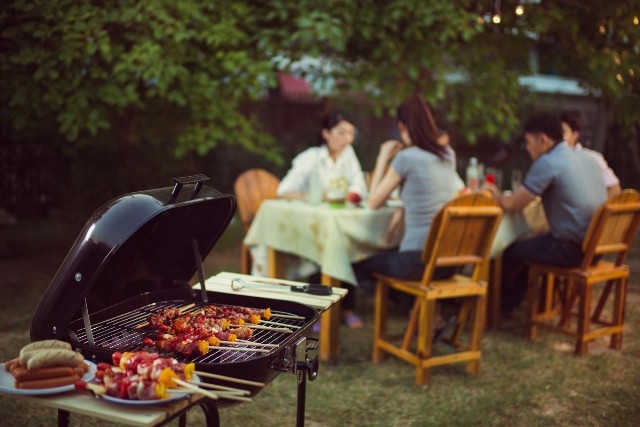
473,175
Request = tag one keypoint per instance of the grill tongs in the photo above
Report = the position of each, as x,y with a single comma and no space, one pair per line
311,288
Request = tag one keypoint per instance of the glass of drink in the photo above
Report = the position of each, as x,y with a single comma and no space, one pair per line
516,179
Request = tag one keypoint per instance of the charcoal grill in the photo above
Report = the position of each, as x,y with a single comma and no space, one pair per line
136,255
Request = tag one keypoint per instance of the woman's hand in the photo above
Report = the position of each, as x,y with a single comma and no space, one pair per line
388,149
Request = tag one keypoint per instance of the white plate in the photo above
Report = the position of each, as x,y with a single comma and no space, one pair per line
130,402
7,383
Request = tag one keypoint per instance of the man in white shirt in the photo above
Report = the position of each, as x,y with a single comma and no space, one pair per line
571,134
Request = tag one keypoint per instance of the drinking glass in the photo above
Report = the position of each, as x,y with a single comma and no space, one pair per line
516,179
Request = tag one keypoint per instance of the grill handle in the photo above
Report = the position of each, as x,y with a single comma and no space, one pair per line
181,181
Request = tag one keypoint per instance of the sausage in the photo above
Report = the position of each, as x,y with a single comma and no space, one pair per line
48,383
10,364
38,359
39,345
23,374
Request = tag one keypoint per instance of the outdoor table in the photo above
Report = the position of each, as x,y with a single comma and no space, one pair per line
144,416
333,238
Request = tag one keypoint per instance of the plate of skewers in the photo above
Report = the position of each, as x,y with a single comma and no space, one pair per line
144,379
45,367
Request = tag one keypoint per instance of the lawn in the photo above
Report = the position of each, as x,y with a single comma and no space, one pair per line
521,383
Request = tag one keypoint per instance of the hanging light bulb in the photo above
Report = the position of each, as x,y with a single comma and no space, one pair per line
636,21
519,9
497,16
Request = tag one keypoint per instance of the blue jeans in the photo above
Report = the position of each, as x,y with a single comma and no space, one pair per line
402,265
543,249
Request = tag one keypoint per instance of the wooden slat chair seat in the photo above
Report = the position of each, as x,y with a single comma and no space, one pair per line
560,299
251,188
461,234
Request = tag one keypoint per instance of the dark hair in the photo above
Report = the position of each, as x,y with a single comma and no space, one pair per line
331,120
571,118
416,115
547,124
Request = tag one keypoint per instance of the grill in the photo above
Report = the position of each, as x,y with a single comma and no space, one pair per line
136,256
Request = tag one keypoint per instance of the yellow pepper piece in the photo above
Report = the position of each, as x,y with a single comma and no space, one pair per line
166,378
240,321
266,313
213,340
233,337
189,369
254,318
203,347
161,391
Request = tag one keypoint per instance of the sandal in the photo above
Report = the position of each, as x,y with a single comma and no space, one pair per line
353,321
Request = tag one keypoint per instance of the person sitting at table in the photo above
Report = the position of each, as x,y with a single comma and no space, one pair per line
570,189
334,161
422,166
335,165
571,135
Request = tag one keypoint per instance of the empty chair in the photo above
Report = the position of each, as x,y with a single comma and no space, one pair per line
251,188
461,234
561,298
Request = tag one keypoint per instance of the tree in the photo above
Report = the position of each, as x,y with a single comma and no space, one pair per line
86,67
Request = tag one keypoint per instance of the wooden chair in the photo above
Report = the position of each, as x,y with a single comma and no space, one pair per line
552,292
460,235
251,188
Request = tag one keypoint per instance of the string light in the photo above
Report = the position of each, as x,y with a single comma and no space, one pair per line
497,18
619,78
520,8
602,29
636,21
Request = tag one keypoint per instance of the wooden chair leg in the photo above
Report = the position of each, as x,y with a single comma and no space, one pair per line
379,320
619,304
477,326
584,316
410,330
426,322
461,320
533,295
602,301
572,295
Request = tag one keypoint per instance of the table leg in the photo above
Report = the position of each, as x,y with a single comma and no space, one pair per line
330,327
494,278
275,266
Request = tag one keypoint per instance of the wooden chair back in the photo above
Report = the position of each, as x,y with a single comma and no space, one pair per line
612,228
461,234
251,188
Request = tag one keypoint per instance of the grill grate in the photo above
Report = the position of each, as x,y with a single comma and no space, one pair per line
126,331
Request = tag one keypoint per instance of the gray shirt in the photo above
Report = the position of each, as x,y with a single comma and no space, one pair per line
571,186
427,184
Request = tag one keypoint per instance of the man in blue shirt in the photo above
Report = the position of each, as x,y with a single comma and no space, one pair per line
571,187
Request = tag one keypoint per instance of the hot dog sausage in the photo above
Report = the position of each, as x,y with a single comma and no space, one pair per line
23,374
38,359
10,364
39,345
48,383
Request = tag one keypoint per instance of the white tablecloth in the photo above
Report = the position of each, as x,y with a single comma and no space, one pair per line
330,238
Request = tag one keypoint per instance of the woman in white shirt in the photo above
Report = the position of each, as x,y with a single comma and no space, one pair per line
335,165
334,161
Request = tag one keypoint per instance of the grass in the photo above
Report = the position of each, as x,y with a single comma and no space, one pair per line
521,383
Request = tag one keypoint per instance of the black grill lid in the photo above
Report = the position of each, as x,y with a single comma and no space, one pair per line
139,242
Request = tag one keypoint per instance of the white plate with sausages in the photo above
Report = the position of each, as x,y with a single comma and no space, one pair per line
7,383
134,402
